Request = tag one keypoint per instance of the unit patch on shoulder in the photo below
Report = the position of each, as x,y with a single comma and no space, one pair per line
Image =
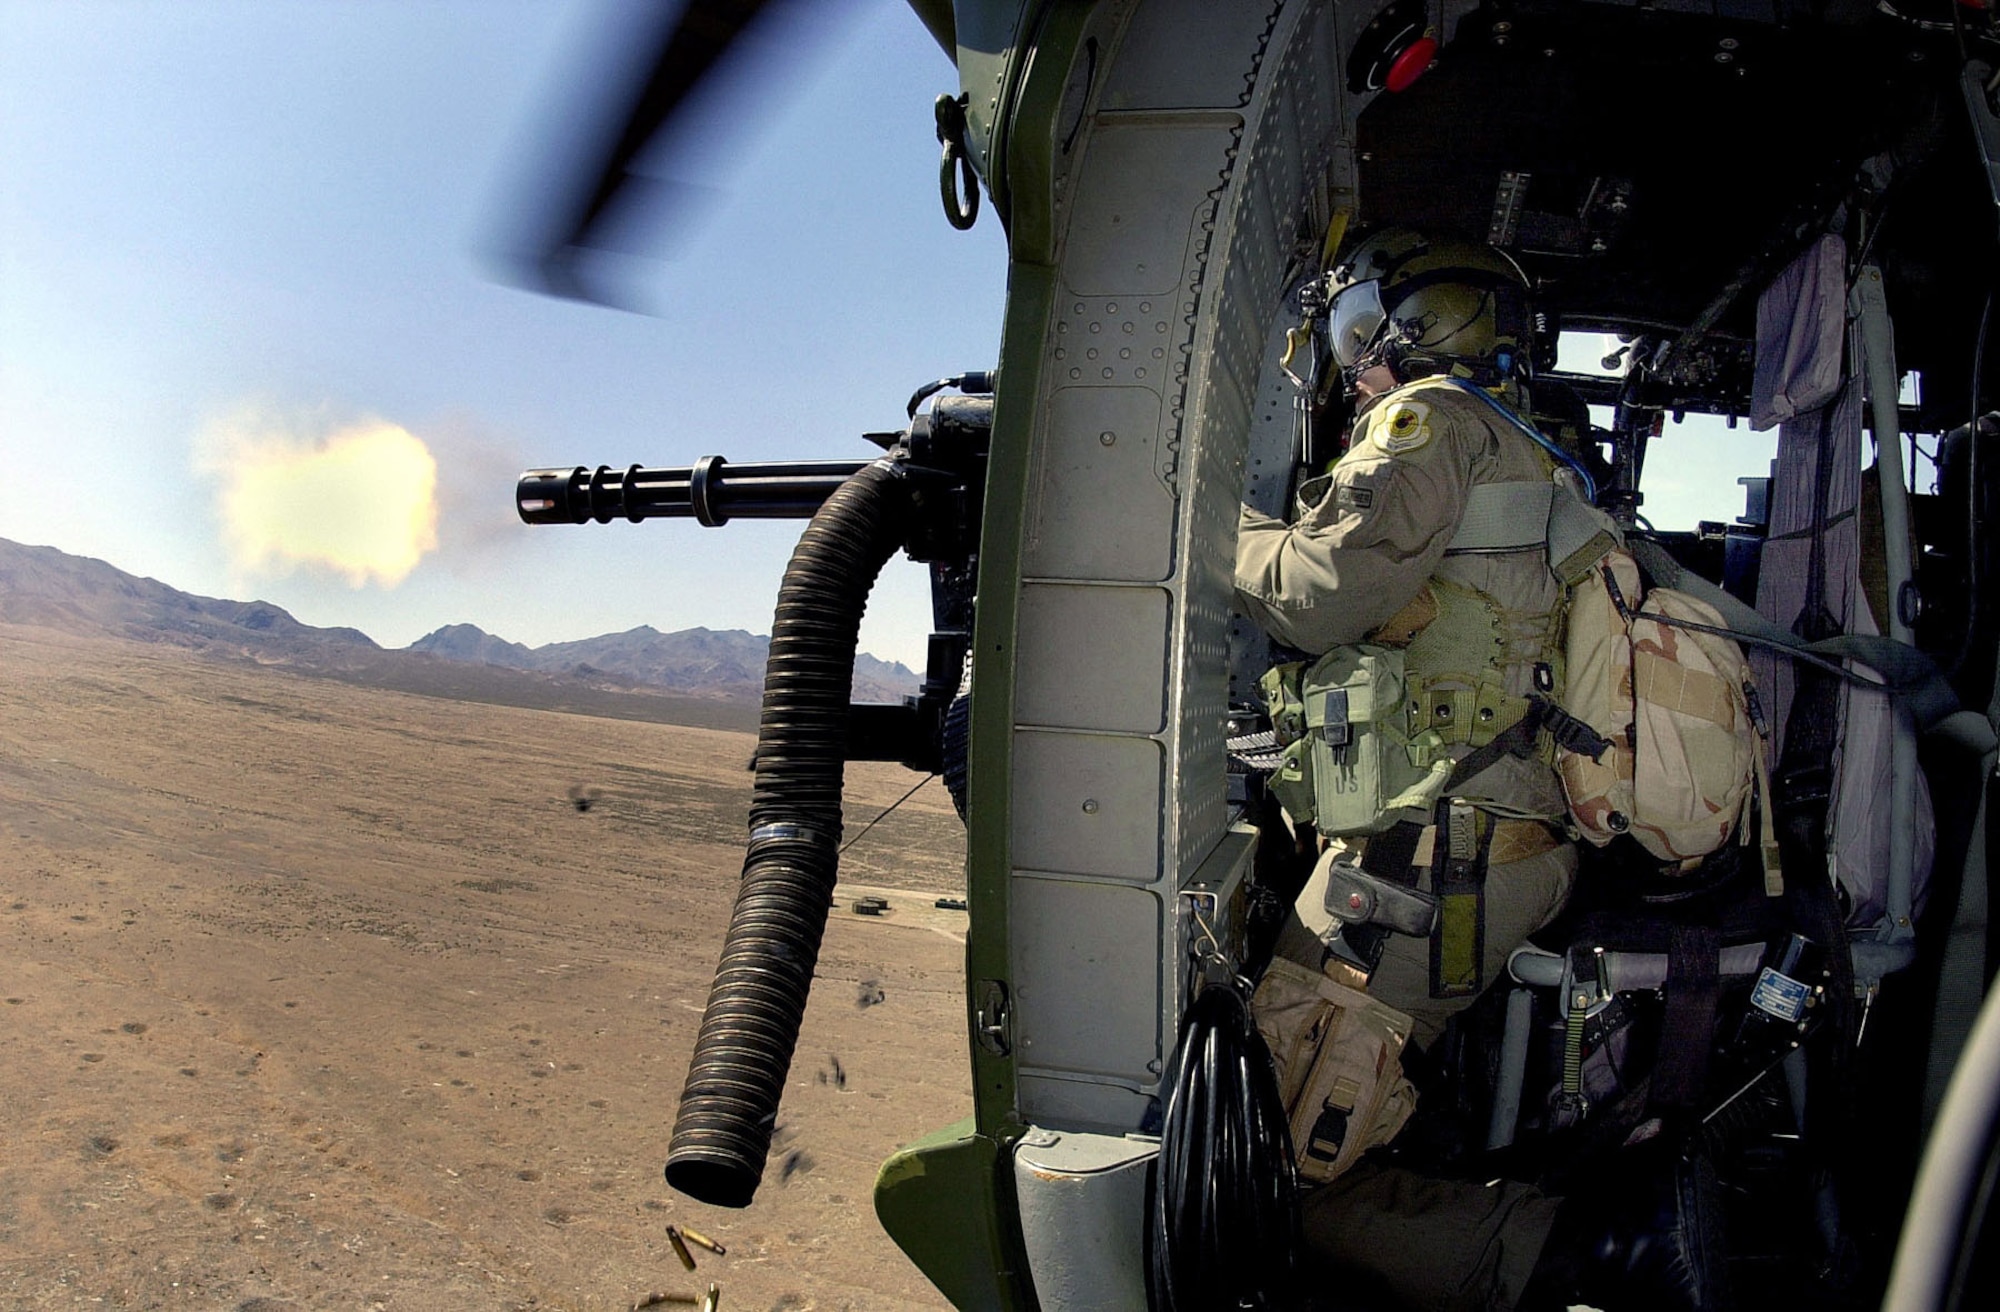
1405,427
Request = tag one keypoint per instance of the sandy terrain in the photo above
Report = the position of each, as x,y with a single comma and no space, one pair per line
322,996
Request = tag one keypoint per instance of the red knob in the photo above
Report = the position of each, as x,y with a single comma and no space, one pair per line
1412,64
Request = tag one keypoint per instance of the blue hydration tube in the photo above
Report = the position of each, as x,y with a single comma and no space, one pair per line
1534,434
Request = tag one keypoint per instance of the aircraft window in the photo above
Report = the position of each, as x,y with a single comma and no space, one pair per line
1585,353
1692,468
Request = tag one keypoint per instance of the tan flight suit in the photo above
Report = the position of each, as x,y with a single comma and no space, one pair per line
1367,559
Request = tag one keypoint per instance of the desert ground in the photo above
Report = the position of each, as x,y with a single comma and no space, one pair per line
320,996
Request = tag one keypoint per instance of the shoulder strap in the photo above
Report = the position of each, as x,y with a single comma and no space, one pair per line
1519,516
1503,517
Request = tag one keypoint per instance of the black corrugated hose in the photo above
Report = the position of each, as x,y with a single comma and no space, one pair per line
1224,1221
743,1052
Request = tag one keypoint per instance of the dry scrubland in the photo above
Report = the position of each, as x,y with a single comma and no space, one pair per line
323,996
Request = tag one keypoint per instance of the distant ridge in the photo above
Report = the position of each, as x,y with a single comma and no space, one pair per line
729,662
51,589
43,587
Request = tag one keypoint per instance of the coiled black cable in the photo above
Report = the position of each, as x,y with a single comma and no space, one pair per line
1224,1221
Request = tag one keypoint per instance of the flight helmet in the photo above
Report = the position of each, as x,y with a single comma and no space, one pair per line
1427,306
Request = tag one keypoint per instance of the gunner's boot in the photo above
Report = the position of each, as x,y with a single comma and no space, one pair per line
1646,1237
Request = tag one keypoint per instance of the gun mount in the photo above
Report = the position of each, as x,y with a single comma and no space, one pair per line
922,496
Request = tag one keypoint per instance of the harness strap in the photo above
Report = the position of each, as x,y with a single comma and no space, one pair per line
1461,851
1459,858
1503,517
1687,1028
1907,673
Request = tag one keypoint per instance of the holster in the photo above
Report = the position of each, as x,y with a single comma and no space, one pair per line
1356,897
1382,896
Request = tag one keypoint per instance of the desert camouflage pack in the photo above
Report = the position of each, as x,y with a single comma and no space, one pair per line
1687,754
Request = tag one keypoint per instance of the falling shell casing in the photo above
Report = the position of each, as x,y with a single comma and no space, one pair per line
697,1237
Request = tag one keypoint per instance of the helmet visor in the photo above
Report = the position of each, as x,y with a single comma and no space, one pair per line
1355,320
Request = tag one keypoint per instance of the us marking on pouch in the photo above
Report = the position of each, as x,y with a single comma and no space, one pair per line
1405,428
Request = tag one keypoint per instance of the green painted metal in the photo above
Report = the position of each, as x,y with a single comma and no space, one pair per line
949,1201
1031,291
989,59
938,1199
939,21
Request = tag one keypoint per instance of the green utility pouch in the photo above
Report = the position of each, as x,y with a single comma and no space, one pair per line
1350,765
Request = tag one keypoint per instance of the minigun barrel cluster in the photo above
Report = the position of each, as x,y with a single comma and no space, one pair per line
711,491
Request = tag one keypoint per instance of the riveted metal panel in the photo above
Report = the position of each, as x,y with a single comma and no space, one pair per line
1185,206
1088,804
1266,485
1107,341
1088,999
987,35
1107,665
1101,461
1154,70
1265,230
1136,202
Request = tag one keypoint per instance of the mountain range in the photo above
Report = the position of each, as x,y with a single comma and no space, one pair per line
729,663
47,588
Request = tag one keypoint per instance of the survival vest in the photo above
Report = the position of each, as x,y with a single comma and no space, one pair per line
1653,725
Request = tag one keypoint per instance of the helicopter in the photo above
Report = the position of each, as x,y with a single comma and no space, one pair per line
1169,175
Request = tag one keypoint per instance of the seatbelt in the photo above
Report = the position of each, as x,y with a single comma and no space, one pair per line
1687,1025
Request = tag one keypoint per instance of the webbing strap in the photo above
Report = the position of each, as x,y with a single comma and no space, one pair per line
1676,687
1503,517
1687,1027
1459,856
1458,865
1579,536
1522,516
1392,854
1907,674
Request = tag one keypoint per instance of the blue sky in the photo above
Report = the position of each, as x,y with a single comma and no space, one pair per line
234,230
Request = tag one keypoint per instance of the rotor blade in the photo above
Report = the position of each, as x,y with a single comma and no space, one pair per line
688,53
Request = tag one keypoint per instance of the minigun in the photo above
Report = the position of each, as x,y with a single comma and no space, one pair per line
923,496
941,458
